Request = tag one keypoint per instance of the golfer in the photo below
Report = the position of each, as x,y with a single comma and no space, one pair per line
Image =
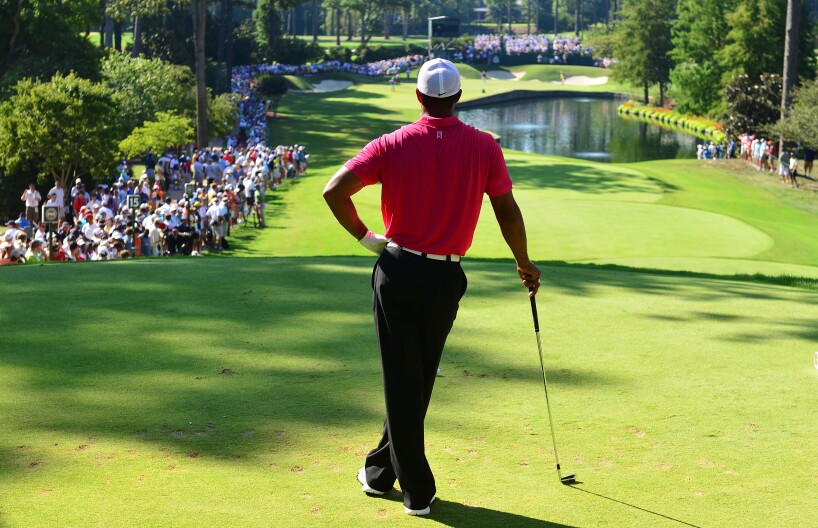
433,174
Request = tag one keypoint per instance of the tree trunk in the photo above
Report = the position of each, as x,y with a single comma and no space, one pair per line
220,47
578,20
109,32
350,31
790,59
199,21
118,35
405,23
509,16
102,5
386,26
229,51
137,37
337,26
315,20
528,4
647,96
556,16
662,94
536,16
15,33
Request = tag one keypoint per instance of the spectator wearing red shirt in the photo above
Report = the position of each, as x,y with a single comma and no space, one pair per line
433,174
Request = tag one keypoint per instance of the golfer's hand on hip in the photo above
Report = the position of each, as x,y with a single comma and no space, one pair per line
530,274
373,242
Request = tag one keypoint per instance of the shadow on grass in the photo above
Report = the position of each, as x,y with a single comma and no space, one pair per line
456,515
190,354
244,237
635,507
582,178
332,125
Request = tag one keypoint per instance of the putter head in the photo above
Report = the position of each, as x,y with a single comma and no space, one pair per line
569,479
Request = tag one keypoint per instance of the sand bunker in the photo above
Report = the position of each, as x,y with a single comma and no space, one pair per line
505,75
582,80
327,86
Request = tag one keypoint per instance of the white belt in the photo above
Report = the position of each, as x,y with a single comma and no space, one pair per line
448,258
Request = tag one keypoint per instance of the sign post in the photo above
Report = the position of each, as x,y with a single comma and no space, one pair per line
134,200
51,215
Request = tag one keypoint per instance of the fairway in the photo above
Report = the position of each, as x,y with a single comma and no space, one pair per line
246,390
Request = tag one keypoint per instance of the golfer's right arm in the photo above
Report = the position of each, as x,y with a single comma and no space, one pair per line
338,195
512,226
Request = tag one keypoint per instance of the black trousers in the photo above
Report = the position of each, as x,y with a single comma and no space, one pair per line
415,305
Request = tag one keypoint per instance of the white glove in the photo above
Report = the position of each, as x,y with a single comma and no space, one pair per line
374,243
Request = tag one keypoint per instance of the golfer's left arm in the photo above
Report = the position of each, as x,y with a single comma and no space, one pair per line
512,226
338,195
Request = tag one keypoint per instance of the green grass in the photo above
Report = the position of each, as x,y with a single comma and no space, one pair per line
127,38
245,391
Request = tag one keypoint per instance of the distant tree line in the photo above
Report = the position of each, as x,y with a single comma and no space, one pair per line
718,58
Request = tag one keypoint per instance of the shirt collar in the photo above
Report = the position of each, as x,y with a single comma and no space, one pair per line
439,122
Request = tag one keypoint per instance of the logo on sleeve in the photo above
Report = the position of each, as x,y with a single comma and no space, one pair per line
439,134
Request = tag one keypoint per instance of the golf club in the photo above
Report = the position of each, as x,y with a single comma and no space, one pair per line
567,479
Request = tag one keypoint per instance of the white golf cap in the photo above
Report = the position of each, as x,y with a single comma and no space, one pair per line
439,78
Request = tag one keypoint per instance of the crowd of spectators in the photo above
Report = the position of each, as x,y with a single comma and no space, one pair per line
764,156
546,48
244,75
228,188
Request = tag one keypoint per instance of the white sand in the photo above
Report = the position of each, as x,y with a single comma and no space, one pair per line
505,75
327,86
583,80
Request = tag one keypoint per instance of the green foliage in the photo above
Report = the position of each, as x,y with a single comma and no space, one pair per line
698,37
801,120
221,114
168,131
267,21
41,37
379,53
755,42
122,9
338,53
272,88
697,87
60,129
752,105
643,42
294,50
144,87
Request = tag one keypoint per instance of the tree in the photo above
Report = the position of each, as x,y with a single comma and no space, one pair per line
42,37
199,10
800,122
60,129
272,88
120,10
221,114
698,35
143,87
168,131
755,41
643,42
752,105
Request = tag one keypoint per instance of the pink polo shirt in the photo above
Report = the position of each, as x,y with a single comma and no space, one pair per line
434,173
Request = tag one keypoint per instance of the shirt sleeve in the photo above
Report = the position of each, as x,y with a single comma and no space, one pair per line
368,164
499,181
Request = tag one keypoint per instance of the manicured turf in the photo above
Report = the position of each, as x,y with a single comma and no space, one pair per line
245,391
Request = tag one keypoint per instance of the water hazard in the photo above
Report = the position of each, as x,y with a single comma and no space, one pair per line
579,127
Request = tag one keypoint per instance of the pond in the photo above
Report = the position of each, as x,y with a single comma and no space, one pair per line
578,127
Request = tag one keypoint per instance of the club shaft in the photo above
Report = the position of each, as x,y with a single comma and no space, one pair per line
545,384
